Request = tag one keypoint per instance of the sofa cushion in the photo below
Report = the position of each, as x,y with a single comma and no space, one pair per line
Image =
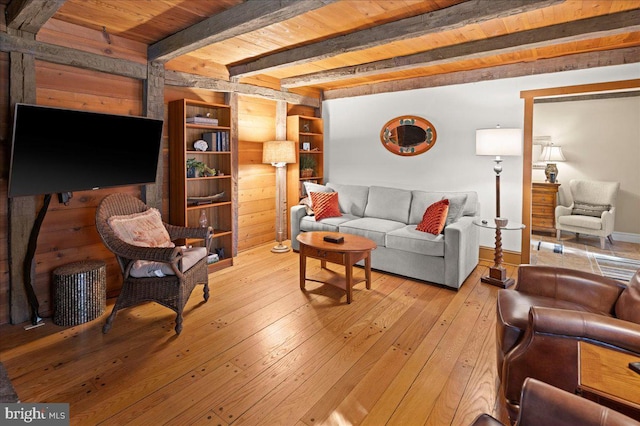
389,203
370,227
314,187
434,217
456,208
420,200
586,209
408,238
325,204
352,198
331,224
149,268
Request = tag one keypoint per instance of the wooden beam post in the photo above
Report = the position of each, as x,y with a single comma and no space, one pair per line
22,210
153,98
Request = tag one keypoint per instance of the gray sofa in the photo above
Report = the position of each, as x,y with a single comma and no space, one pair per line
389,217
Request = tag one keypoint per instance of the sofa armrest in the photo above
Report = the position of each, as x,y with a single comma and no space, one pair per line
296,213
461,250
594,291
548,350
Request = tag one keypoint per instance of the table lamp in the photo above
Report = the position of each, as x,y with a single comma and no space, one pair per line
279,153
498,142
551,154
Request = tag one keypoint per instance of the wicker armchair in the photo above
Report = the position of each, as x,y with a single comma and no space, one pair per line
171,291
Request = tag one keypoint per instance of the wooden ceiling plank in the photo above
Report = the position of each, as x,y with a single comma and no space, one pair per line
176,78
456,16
590,28
31,15
541,66
246,17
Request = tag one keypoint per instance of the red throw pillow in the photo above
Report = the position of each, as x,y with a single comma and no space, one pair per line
434,217
325,204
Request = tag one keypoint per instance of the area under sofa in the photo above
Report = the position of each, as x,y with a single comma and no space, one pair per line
389,217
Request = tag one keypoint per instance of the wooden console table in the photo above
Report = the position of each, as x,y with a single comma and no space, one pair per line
543,206
604,376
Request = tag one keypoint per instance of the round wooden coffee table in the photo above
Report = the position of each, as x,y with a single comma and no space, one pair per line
352,250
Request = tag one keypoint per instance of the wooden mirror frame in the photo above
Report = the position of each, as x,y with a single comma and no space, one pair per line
389,135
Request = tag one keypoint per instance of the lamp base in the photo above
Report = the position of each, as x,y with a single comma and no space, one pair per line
280,248
498,277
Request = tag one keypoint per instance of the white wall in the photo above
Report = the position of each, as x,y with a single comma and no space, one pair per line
600,139
354,153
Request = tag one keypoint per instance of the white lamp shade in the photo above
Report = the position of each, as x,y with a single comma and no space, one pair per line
279,152
499,142
552,154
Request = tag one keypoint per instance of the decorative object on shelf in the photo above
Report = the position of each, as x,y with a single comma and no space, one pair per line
205,200
279,153
498,142
196,168
306,146
306,127
203,221
552,154
200,145
307,166
199,119
408,135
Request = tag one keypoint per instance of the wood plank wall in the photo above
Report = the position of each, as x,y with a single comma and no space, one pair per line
68,233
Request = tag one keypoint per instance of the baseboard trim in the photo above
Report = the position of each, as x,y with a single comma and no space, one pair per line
508,257
627,237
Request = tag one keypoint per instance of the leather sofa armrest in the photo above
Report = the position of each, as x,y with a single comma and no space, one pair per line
594,291
585,326
548,350
295,214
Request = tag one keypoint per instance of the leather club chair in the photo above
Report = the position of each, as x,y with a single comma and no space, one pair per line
541,320
543,404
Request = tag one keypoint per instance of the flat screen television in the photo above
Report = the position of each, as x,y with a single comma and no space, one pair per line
56,150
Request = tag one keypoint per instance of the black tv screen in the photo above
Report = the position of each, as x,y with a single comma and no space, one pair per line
57,150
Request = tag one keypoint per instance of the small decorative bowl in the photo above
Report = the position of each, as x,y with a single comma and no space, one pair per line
501,222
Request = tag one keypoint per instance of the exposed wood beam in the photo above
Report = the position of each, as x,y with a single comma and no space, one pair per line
77,58
73,57
600,26
452,17
153,99
542,66
246,17
31,15
175,78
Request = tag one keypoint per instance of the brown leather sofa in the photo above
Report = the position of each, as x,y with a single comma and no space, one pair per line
541,320
542,404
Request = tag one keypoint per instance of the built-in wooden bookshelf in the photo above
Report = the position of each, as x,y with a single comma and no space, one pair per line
209,194
307,133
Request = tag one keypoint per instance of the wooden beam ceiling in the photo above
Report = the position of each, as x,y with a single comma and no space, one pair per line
585,29
457,16
246,17
31,15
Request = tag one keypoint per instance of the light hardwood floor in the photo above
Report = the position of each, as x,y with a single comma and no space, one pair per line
262,352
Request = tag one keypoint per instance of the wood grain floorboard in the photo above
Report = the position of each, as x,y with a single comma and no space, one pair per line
263,352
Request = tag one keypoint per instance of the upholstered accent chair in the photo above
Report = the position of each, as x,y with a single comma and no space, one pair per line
153,268
541,320
543,404
592,212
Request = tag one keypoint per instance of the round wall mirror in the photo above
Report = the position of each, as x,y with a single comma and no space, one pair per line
408,135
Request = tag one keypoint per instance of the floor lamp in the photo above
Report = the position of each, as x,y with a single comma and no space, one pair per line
498,142
279,153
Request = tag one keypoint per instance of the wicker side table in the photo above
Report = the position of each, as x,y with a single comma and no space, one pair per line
80,292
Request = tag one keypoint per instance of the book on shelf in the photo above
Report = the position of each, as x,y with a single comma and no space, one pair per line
202,120
217,141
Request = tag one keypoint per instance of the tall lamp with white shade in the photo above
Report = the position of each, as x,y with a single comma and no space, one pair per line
279,153
552,154
498,142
